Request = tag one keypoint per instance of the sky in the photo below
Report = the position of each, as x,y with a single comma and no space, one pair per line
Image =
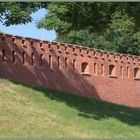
30,30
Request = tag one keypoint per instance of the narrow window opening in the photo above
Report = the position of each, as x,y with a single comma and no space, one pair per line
101,54
80,50
107,55
58,47
102,69
23,58
41,59
13,40
32,58
3,38
133,59
41,44
32,43
23,42
136,73
112,70
95,68
73,49
121,71
87,51
50,61
49,45
13,56
66,64
85,68
65,48
58,61
3,55
128,72
74,62
127,58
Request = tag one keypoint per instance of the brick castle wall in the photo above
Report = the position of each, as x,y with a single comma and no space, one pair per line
89,72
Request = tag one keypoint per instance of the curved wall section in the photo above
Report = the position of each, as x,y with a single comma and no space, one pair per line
89,72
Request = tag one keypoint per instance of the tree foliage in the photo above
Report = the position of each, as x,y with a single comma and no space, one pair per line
18,12
108,26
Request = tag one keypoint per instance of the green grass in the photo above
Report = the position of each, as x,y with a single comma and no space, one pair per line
29,111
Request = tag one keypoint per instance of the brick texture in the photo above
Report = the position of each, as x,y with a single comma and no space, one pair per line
88,72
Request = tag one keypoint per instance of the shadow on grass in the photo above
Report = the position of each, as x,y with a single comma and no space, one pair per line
92,108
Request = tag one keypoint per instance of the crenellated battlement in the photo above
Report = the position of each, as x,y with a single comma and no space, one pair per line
69,49
104,75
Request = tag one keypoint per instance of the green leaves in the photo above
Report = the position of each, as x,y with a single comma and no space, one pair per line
103,25
52,22
18,12
120,33
108,26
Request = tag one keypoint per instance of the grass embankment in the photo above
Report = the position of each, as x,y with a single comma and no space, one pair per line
27,111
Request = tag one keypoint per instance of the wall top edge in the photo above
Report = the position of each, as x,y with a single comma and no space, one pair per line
69,45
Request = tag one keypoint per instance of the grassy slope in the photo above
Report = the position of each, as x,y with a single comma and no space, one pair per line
27,111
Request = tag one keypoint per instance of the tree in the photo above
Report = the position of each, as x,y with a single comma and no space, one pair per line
120,34
107,26
103,25
18,12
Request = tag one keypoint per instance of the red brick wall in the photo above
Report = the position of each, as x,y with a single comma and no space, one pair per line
71,68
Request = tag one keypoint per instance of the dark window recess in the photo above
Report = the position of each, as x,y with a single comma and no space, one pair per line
3,55
121,71
95,68
107,55
49,45
74,63
32,58
58,61
32,43
23,42
23,58
13,40
85,68
58,47
101,54
50,61
73,49
3,38
102,69
128,72
66,62
136,73
13,53
112,70
41,59
41,44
